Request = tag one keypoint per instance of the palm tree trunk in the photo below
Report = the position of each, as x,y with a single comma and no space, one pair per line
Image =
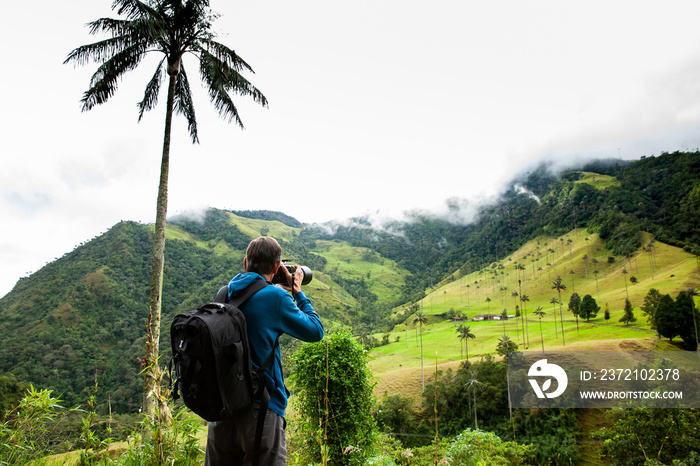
542,336
561,320
158,260
422,374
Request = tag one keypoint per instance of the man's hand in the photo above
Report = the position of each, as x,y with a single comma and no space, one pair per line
293,281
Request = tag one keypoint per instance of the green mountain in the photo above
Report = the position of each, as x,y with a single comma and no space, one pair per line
83,315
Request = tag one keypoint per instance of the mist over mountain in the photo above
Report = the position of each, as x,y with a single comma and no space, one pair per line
83,315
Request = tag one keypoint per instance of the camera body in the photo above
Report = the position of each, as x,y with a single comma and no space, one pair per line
281,279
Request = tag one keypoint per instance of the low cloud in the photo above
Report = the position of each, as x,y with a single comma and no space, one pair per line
520,189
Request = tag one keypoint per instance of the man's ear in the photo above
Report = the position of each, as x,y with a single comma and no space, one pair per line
276,268
245,263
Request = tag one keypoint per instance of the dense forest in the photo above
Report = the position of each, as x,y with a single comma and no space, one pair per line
82,316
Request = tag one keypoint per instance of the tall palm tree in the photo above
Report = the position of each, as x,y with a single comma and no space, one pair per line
526,330
473,383
461,345
170,28
421,319
554,302
539,312
467,286
573,284
596,272
559,286
465,334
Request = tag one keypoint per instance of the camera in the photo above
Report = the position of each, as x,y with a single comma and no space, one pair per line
281,278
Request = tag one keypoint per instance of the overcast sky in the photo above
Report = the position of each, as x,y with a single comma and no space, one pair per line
374,106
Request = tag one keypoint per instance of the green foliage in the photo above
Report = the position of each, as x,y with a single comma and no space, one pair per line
640,434
159,444
94,449
395,414
25,433
628,315
456,396
426,455
575,304
11,392
334,399
506,346
686,307
214,226
476,447
589,308
28,434
554,433
651,301
668,318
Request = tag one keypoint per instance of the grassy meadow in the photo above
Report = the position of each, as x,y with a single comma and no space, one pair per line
491,290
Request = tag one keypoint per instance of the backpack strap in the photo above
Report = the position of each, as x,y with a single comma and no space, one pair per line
250,290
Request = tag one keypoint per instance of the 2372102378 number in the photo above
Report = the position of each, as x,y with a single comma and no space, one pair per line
639,374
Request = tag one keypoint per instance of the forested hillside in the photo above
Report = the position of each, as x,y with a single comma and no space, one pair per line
83,316
619,200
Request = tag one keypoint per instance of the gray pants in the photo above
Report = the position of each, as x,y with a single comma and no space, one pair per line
230,442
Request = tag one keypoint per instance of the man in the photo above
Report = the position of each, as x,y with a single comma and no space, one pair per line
269,313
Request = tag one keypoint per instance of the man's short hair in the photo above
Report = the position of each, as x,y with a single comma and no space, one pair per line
263,254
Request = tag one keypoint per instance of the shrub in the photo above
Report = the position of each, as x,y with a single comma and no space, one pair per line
155,443
639,433
25,433
476,447
334,400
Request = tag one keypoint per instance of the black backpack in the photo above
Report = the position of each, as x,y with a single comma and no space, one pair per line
211,359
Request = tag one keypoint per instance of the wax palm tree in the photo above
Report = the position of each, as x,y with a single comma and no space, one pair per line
465,334
459,336
505,346
539,312
421,320
559,286
573,283
514,295
595,273
468,289
473,384
554,302
170,28
526,330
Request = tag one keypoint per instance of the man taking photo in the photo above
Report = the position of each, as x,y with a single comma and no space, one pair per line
270,313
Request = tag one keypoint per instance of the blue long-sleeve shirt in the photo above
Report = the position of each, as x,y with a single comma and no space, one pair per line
270,313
